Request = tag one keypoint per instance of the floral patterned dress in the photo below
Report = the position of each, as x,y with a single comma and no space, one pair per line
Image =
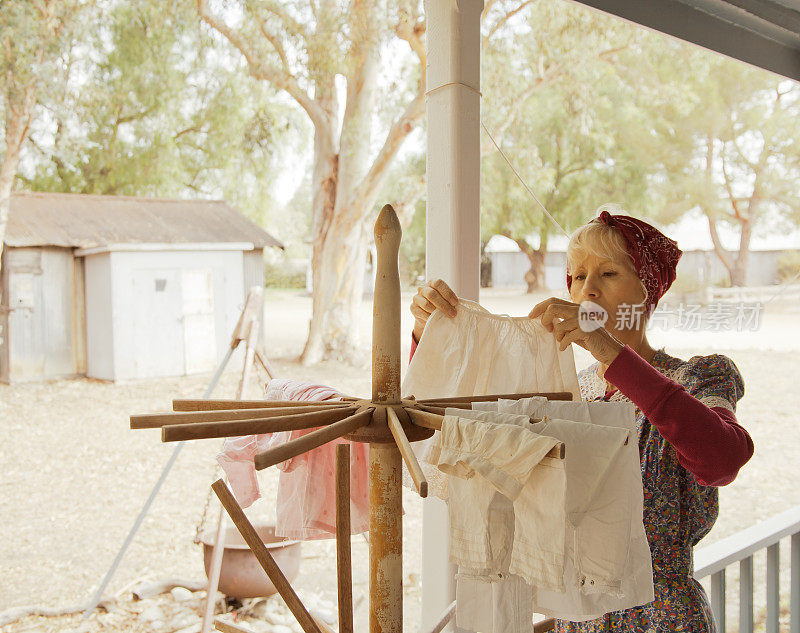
678,512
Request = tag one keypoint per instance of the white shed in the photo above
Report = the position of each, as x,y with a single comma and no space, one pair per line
121,287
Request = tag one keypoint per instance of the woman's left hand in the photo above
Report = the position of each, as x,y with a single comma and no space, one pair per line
561,317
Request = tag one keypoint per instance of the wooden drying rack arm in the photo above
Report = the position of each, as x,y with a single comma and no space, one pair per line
264,558
431,420
313,440
235,428
214,405
157,420
407,453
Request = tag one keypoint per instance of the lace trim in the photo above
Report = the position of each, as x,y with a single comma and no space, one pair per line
716,401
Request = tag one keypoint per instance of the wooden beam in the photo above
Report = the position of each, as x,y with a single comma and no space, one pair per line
235,428
157,420
264,558
313,440
407,453
214,405
550,395
344,573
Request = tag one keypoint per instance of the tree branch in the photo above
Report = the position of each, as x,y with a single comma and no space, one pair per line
280,79
502,21
729,189
404,124
721,252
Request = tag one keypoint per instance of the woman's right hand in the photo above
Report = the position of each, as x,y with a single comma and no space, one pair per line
434,294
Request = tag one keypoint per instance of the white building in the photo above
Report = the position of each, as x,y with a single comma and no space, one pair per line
118,287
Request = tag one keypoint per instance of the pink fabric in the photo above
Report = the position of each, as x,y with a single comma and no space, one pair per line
654,255
306,504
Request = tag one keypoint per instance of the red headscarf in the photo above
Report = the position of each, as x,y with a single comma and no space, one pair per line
654,255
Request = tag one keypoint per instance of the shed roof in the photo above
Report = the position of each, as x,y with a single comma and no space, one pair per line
87,221
764,33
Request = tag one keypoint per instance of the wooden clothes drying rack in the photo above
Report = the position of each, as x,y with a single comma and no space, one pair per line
386,421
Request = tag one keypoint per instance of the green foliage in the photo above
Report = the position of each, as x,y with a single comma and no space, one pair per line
152,106
283,273
561,111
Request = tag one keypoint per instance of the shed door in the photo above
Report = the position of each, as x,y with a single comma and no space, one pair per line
25,324
199,333
157,327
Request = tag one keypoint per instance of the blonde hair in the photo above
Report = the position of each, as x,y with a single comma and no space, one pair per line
601,240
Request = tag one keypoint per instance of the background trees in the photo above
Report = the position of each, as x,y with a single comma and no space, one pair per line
222,99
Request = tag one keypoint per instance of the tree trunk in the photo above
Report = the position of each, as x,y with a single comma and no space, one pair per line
534,277
19,110
739,272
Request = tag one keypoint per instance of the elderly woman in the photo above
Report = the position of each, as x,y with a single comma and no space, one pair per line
689,440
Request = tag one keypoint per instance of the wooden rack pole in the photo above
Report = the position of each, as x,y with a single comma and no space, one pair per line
385,467
344,574
553,395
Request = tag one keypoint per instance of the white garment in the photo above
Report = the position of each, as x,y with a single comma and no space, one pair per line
479,353
511,460
584,602
495,602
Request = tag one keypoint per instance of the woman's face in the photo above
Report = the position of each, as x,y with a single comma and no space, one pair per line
610,284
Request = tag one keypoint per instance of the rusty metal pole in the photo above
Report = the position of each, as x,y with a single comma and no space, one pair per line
385,500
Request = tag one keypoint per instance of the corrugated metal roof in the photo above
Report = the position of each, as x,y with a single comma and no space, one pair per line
87,221
764,33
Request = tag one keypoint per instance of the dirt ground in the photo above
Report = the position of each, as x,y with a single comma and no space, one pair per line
75,476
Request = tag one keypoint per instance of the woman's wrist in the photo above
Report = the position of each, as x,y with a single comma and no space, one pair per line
609,351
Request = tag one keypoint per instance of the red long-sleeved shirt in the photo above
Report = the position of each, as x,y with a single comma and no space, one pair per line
709,441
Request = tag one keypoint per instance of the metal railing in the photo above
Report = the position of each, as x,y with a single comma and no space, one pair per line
740,548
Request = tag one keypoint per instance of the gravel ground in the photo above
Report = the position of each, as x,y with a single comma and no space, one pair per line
75,475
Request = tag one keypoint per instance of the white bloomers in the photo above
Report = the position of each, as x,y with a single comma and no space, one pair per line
484,459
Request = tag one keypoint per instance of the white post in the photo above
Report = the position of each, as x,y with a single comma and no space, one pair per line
453,219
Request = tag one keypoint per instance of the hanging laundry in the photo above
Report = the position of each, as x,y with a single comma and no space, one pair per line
306,501
583,600
478,353
506,508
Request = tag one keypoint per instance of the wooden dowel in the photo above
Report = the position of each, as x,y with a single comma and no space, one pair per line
312,440
443,411
550,395
441,406
234,428
157,420
214,405
407,453
445,618
425,419
434,421
264,558
230,627
344,574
